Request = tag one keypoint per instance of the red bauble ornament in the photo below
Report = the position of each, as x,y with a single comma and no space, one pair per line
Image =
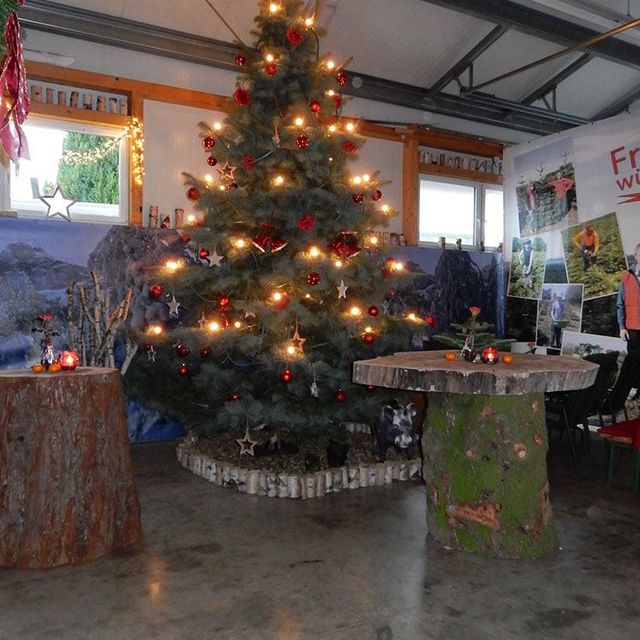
294,37
266,242
185,238
271,68
193,193
234,396
147,346
224,301
241,96
283,302
208,143
314,105
156,291
376,195
203,254
358,198
345,246
369,337
241,59
430,320
183,370
337,98
248,162
349,147
286,376
370,387
340,395
212,161
307,222
313,278
373,311
182,350
205,352
302,142
342,78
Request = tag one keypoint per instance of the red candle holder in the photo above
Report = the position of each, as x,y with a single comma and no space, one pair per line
68,360
489,355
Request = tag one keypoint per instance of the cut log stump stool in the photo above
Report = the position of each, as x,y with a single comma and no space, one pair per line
484,445
67,493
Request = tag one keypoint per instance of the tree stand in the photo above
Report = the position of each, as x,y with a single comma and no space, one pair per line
486,476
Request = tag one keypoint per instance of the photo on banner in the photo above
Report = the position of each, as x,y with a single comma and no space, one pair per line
546,190
560,308
527,267
595,256
575,343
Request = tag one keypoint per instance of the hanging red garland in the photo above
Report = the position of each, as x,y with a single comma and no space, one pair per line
15,106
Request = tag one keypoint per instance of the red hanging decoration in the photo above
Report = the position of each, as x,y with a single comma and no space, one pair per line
14,94
271,68
376,195
286,376
265,242
212,161
430,321
241,59
373,311
156,290
314,105
203,254
205,352
342,78
224,301
248,162
313,278
307,222
241,96
337,98
234,396
183,370
302,141
182,350
294,37
208,143
370,387
369,337
193,193
349,147
358,198
345,246
340,395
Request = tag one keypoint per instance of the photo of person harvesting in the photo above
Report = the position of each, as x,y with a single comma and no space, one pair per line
628,306
587,243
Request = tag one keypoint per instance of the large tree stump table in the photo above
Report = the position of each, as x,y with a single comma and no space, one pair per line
67,493
484,444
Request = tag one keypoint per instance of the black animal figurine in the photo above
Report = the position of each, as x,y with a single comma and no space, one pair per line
394,427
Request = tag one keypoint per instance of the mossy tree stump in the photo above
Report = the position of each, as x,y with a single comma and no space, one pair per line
484,445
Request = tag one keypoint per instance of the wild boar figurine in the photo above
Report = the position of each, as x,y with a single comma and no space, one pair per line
394,428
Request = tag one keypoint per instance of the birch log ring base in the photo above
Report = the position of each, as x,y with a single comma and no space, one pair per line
484,445
67,493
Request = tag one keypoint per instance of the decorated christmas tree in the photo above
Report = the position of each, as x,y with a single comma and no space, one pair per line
284,284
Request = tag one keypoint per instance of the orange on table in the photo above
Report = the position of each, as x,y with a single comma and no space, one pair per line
54,368
507,358
450,355
37,368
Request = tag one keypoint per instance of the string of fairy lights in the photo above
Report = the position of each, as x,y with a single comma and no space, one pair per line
134,131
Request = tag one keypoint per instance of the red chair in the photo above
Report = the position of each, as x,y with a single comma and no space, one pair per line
624,435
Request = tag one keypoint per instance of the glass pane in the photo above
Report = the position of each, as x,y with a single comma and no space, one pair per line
493,217
446,209
85,165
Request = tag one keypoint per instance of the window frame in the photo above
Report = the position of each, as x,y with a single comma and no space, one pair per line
91,127
480,187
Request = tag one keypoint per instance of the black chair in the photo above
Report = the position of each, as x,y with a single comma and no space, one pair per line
569,411
614,401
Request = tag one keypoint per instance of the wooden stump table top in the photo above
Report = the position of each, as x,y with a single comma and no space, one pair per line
430,371
67,492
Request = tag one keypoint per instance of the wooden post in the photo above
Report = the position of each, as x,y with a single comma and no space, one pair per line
410,186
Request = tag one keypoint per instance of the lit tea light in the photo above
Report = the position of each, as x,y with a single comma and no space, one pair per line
489,355
68,360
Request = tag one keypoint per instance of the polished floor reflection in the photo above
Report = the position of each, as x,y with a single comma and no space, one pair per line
220,565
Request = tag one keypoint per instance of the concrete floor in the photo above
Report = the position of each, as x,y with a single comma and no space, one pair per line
356,565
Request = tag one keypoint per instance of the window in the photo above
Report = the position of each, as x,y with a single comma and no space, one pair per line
471,211
88,161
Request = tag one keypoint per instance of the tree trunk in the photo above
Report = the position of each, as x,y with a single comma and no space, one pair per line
67,493
486,476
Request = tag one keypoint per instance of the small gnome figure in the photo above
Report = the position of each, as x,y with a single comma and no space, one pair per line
47,357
